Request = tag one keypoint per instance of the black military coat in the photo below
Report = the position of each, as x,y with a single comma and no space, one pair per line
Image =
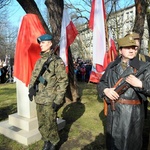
125,124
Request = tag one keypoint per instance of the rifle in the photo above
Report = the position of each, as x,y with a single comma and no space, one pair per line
120,89
34,88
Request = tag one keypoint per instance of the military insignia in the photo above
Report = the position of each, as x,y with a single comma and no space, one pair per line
130,38
131,33
62,63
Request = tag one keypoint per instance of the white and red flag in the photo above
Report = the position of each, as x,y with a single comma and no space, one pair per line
101,56
111,53
68,35
97,24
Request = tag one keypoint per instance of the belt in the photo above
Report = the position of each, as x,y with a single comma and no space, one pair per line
129,102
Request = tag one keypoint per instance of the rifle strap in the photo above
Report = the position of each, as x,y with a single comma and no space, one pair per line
118,82
43,69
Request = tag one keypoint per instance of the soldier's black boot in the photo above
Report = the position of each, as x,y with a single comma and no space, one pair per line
48,146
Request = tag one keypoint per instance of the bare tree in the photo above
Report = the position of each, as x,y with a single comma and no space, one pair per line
8,33
140,16
3,3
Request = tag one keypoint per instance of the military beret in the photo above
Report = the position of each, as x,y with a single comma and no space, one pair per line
45,37
126,41
134,35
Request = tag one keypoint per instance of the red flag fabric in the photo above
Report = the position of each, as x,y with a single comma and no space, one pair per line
27,49
97,24
95,76
68,35
111,54
91,21
112,48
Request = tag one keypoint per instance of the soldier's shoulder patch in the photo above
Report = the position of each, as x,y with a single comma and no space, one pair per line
62,63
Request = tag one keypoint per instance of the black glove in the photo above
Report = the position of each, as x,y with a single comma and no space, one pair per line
32,93
30,97
55,106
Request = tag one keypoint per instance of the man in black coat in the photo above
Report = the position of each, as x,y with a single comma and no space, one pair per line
142,57
125,119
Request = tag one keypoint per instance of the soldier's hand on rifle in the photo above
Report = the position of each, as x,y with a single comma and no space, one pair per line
111,94
32,92
134,81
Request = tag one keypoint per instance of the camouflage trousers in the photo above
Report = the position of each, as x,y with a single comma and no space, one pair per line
47,123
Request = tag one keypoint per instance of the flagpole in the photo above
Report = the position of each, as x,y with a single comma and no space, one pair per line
107,37
106,27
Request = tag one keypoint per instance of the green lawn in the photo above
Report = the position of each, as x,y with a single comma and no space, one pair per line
85,121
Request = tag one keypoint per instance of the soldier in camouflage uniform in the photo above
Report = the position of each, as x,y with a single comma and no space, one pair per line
49,96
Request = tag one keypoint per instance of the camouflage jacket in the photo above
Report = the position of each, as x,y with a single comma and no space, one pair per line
56,77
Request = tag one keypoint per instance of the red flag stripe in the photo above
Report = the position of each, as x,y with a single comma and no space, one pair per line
71,33
91,21
27,49
68,35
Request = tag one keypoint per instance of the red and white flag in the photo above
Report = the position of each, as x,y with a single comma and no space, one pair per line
112,47
68,35
111,53
27,48
97,24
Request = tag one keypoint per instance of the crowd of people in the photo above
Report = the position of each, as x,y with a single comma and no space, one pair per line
82,70
6,72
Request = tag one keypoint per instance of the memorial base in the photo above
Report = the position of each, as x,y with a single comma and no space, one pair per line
24,130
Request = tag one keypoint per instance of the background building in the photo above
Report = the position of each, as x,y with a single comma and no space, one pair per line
122,22
119,24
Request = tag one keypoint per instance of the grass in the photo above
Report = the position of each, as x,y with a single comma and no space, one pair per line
7,100
85,121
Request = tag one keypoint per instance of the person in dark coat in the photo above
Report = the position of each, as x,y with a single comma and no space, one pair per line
142,57
125,116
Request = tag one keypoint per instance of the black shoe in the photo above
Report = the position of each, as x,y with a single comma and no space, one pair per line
48,146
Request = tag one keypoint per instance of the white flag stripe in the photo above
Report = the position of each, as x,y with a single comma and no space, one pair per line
63,39
99,40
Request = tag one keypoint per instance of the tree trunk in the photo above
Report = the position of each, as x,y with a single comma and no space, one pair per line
148,23
55,9
140,17
72,89
30,6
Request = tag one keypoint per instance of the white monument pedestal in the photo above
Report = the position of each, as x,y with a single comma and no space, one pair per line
20,129
23,125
